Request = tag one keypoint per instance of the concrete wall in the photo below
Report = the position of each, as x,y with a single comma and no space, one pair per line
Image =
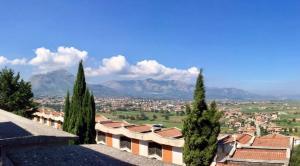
116,141
143,148
177,155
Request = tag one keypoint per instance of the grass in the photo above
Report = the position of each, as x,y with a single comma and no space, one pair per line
173,121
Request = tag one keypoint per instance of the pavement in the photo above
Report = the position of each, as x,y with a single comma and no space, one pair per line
74,155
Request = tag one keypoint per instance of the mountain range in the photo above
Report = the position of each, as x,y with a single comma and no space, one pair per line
57,83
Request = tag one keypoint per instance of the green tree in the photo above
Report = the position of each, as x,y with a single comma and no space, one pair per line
15,94
81,116
66,111
154,117
200,129
295,158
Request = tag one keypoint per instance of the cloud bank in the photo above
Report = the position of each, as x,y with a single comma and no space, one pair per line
120,67
64,57
45,60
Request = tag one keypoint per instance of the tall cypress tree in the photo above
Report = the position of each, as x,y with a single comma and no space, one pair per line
80,118
66,112
201,129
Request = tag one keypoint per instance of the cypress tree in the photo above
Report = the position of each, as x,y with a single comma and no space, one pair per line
200,129
66,112
80,119
92,132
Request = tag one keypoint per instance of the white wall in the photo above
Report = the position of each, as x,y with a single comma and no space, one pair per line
116,141
177,155
143,148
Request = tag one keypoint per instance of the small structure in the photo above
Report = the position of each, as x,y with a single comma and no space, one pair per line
269,150
49,117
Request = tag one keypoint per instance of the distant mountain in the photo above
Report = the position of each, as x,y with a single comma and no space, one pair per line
57,83
172,89
150,88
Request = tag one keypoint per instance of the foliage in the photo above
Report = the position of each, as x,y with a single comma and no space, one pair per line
295,158
67,112
15,94
80,114
201,129
263,131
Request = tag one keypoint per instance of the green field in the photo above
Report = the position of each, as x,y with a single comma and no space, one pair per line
173,121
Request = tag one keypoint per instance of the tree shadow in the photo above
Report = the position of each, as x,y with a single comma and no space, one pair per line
11,130
63,156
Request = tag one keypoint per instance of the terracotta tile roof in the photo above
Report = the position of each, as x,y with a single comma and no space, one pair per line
275,136
170,133
55,113
260,154
114,124
225,164
272,141
139,128
243,138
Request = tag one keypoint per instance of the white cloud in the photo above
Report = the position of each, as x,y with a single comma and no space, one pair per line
64,57
22,61
118,66
5,61
113,65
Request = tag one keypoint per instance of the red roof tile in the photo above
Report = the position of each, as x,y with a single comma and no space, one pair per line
260,154
225,164
170,132
139,128
114,124
243,138
272,141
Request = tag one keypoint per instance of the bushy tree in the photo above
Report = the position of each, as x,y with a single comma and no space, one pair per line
295,158
15,93
66,112
80,115
201,128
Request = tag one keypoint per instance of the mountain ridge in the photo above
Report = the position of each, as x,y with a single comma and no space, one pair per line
57,83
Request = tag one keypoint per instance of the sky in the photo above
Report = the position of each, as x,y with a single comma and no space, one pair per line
252,45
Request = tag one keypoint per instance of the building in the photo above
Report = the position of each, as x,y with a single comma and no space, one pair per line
269,150
49,117
145,140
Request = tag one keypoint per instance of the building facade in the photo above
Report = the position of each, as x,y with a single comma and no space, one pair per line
145,140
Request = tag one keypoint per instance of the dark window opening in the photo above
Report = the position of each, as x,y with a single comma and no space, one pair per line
125,142
154,149
101,136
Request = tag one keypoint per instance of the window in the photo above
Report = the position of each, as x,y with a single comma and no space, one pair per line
154,149
37,119
45,121
52,123
101,136
125,142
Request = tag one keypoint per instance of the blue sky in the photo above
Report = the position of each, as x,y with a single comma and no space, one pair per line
252,45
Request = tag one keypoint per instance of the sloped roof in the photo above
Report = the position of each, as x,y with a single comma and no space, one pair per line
170,132
260,154
272,140
139,128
